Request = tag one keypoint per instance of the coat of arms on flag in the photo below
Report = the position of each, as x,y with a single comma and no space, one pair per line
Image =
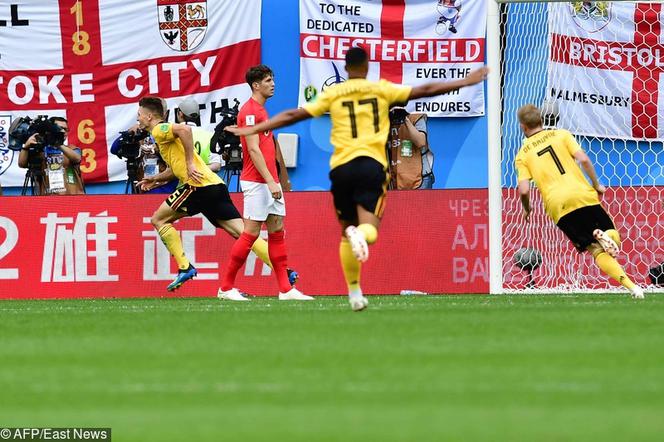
591,16
182,23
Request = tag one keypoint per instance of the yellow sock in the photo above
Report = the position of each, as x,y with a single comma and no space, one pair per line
171,239
370,232
350,265
260,249
614,235
610,266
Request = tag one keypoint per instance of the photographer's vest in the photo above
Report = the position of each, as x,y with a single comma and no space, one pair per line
405,171
202,139
73,181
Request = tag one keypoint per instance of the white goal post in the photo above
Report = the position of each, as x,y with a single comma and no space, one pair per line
565,53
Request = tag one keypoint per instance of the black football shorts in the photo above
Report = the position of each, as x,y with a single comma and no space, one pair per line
213,201
361,181
579,225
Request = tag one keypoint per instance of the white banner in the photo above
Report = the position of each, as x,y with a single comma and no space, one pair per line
409,41
605,68
91,63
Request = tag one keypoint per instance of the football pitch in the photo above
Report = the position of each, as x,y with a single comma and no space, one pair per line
430,368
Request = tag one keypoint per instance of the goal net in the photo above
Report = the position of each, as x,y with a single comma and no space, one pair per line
600,65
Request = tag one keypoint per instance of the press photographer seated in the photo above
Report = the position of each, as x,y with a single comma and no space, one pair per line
53,165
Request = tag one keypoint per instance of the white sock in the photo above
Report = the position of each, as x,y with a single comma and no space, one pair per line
355,293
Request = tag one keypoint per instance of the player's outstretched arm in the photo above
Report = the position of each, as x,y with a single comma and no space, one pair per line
285,118
440,87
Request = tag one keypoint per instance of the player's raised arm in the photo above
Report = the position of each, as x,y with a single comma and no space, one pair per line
285,118
440,87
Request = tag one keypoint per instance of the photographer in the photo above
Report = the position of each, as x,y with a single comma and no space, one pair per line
410,159
143,161
63,180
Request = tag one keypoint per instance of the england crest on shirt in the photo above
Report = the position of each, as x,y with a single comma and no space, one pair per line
182,23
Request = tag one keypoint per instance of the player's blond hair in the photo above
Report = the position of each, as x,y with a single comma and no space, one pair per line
530,116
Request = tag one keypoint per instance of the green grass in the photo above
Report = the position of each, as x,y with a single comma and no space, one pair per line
436,368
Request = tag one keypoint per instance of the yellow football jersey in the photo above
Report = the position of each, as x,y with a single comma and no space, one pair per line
359,111
547,158
172,151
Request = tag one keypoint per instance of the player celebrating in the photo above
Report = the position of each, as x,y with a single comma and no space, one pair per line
263,196
548,157
360,124
200,189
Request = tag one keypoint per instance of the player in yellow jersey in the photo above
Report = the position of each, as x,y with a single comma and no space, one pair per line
200,189
549,158
359,111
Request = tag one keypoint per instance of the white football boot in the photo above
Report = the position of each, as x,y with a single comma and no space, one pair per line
637,292
358,243
606,242
231,295
358,303
294,295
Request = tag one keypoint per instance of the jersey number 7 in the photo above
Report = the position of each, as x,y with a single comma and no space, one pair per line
556,160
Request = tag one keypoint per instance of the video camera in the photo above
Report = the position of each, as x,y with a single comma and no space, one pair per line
398,116
50,134
129,143
225,143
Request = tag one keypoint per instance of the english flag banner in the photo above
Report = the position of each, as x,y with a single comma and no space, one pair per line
91,61
605,68
408,41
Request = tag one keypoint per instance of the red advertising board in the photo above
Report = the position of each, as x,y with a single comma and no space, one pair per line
104,246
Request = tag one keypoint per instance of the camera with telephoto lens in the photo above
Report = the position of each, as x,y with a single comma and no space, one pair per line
130,143
225,143
398,116
49,133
